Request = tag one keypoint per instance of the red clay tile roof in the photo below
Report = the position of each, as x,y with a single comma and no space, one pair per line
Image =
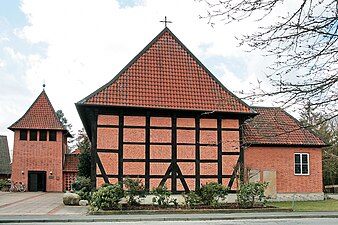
167,75
40,115
71,162
274,126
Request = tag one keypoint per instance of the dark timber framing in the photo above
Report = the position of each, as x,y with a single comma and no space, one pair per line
147,153
219,149
173,171
174,152
197,153
120,154
241,152
93,121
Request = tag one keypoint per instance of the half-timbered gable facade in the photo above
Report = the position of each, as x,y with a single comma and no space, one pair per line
165,119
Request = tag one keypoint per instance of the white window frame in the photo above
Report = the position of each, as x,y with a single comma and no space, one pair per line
301,164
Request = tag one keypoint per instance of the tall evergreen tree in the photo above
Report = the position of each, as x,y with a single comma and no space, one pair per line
68,126
328,131
85,157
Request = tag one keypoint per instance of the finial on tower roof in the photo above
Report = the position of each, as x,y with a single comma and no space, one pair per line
165,21
43,85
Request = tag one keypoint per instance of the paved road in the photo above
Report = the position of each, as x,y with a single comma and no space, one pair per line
36,203
39,207
304,221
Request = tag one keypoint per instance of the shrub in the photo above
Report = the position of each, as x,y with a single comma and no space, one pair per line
80,183
107,197
212,192
192,199
5,184
82,187
84,194
162,196
135,190
249,193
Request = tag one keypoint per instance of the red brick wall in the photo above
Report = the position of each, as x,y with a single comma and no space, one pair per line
281,159
38,156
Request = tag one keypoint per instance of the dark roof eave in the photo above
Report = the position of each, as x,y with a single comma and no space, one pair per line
248,114
256,144
30,128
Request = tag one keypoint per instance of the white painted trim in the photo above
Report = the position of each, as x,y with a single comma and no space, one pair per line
308,164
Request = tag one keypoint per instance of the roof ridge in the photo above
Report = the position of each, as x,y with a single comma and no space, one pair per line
166,59
304,127
125,67
209,73
267,107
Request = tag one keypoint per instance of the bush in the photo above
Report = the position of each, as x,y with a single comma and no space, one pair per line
82,186
162,196
5,184
135,190
249,193
84,194
107,197
192,199
80,183
212,192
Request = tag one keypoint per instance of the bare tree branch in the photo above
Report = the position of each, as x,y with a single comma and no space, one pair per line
304,44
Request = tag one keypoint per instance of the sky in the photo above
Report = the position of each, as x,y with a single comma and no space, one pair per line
76,46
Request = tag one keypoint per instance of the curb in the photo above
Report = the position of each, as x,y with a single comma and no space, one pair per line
187,211
83,220
220,216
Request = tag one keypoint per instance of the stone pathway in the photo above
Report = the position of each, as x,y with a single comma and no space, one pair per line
36,203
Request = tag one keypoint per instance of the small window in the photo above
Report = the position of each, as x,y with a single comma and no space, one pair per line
43,135
23,134
52,135
33,135
301,164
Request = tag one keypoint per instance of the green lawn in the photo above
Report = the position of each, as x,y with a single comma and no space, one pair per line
327,205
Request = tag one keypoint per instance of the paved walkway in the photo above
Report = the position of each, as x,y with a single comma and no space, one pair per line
40,207
36,203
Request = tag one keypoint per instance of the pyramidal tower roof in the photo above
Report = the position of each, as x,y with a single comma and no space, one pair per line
41,115
166,75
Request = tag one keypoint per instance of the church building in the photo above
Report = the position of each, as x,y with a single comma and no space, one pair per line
166,119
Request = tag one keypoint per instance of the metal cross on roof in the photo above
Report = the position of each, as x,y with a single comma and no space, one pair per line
165,21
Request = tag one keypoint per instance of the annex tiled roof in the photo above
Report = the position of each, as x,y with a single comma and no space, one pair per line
274,126
71,163
41,115
5,161
165,74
